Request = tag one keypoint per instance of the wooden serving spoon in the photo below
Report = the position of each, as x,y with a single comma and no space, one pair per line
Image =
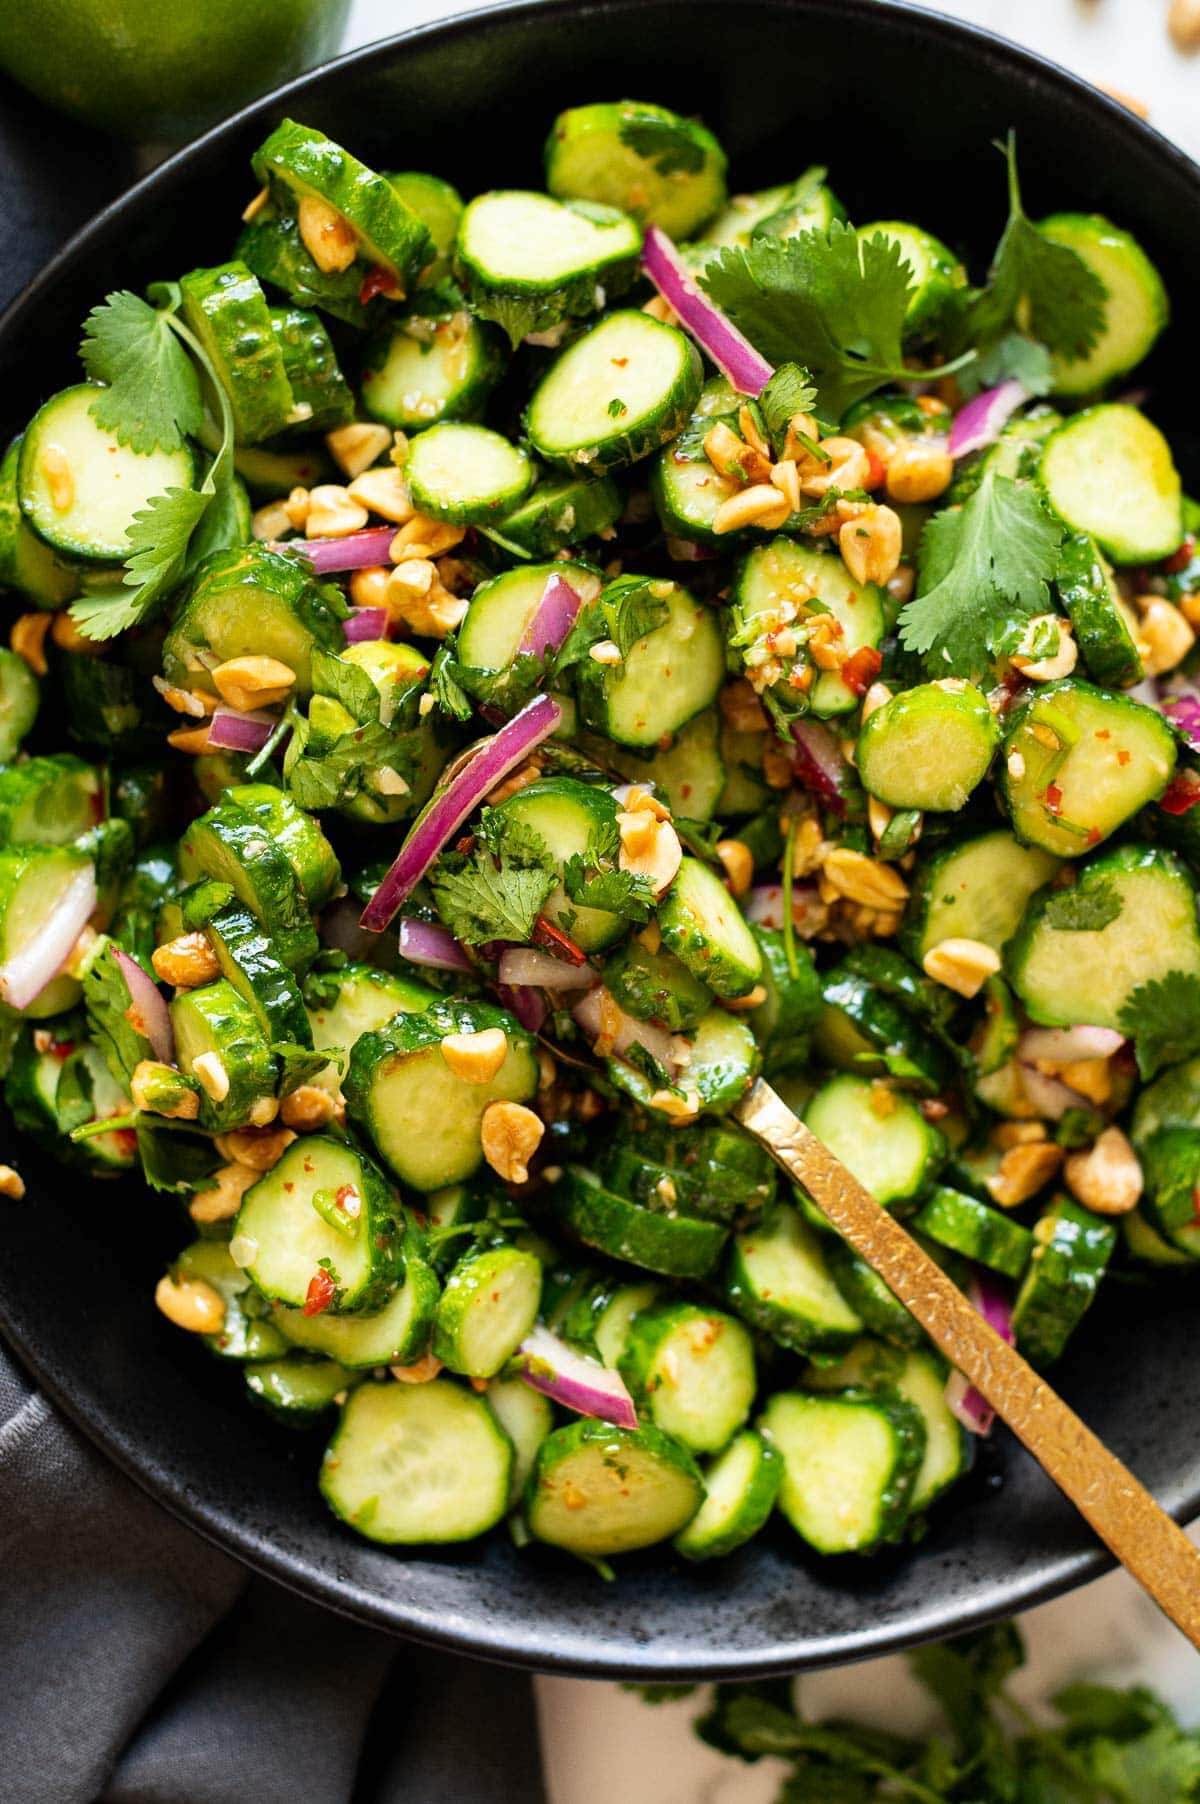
1122,1512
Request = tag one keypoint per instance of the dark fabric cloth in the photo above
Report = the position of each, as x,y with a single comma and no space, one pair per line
139,1665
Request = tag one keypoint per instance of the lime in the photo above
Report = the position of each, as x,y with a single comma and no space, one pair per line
150,70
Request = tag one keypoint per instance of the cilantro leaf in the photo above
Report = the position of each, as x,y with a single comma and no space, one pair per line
1083,910
332,775
667,143
300,1064
1162,1018
172,1160
624,893
498,890
1160,1767
346,683
1061,301
152,399
624,611
789,392
1014,355
982,566
111,1015
158,542
444,685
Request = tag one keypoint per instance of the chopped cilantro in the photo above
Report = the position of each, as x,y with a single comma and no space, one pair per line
1083,909
498,889
1162,1018
666,143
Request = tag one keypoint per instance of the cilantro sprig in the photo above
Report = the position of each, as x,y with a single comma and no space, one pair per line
497,890
668,144
1162,1018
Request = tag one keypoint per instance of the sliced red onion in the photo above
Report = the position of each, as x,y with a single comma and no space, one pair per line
26,974
962,1399
150,1005
1068,1045
449,807
367,623
629,1032
729,349
980,422
354,551
232,731
529,1006
426,943
1049,1095
1183,712
552,619
818,763
568,1377
525,965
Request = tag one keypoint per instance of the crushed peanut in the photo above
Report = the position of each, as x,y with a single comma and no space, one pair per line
296,508
147,1076
862,879
384,492
12,1184
961,965
222,1195
328,236
209,1070
258,1149
421,1371
752,999
1164,637
1059,663
190,1303
870,544
186,961
605,651
354,448
1107,1176
27,638
649,847
422,537
919,470
416,596
192,740
737,861
741,708
1023,1171
67,636
307,1108
476,1058
333,512
680,1107
368,586
762,505
253,682
510,1134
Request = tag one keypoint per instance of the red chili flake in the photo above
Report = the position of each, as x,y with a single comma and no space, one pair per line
1093,836
552,939
861,668
1179,560
1123,757
1103,733
1182,793
876,472
1053,798
126,1139
377,281
62,1049
620,362
320,1293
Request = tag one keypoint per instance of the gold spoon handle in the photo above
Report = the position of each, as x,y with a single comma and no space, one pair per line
1122,1512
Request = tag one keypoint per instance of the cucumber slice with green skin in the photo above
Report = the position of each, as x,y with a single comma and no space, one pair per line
502,610
896,977
488,1306
1069,977
687,492
882,1137
928,747
741,1487
1171,1171
677,1246
215,1020
33,882
1171,1101
1146,1245
454,1206
880,1311
661,168
359,1000
938,279
782,1023
303,162
298,836
567,816
248,961
561,511
715,1170
668,676
108,483
105,703
418,1464
724,1063
975,890
1108,471
1017,452
250,602
438,206
1078,762
693,1370
654,986
424,1120
626,387
972,1228
995,1042
26,562
1097,614
529,262
230,845
706,930
48,801
467,474
689,775
850,1462
19,697
596,1490
419,370
51,1092
272,247
311,365
398,1333
780,212
247,1332
919,1377
1072,1248
1135,309
786,570
861,1028
600,1320
227,310
778,1279
271,473
296,1389
323,1208
527,1418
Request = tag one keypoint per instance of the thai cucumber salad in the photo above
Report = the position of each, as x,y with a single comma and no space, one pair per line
527,667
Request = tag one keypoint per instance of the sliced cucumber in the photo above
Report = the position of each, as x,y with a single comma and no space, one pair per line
615,395
419,370
706,930
882,1137
398,1333
526,1418
27,563
881,1310
1171,1172
779,1281
972,1228
561,511
862,1028
740,1490
48,801
689,774
227,310
1069,976
1072,1248
359,1000
688,492
920,1378
529,262
438,205
678,1246
670,674
975,890
693,1369
19,697
787,573
713,1170
272,247
1077,762
928,747
79,488
466,473
418,1463
247,1331
1100,618
34,882
322,1208
601,1318
1171,1101
214,1022
1108,471
247,959
488,1306
654,986
850,1462
569,816
780,212
1145,1244
228,844
297,1389
723,1063
597,1490
251,602
661,168
938,279
501,612
320,392
1135,307
298,836
783,1022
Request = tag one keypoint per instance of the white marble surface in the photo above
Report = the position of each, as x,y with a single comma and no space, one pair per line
601,1742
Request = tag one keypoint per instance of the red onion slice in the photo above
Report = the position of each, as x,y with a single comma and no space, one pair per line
149,1004
729,349
1049,1095
231,731
1183,712
367,623
962,1399
570,1378
355,551
26,974
529,1006
1068,1045
425,943
525,965
629,1032
980,422
552,619
449,807
818,763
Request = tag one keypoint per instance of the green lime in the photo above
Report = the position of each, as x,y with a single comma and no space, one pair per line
151,70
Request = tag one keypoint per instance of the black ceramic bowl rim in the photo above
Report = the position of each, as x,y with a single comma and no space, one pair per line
481,1636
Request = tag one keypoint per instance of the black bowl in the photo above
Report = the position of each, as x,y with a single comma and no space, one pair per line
904,106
